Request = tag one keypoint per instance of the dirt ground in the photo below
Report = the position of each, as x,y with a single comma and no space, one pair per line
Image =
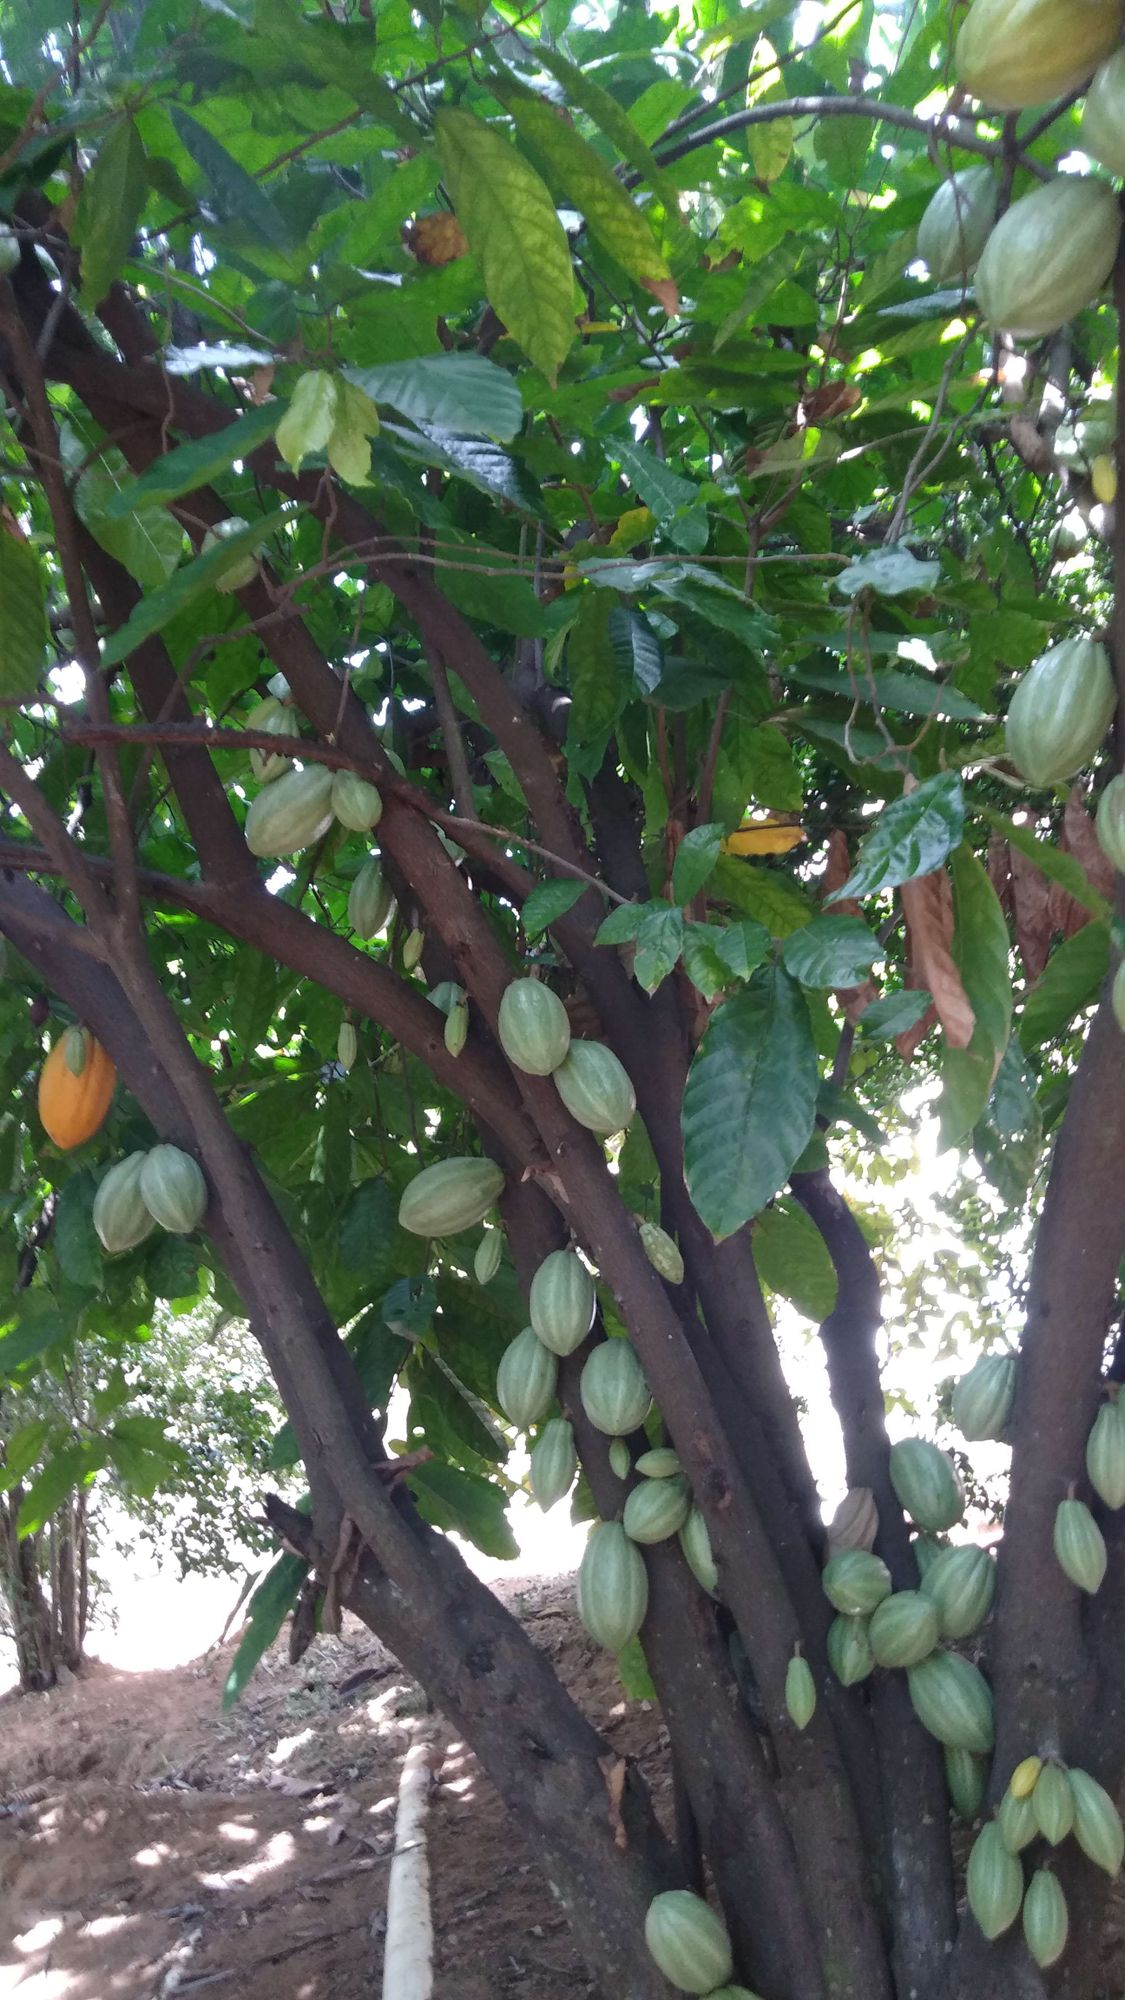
151,1845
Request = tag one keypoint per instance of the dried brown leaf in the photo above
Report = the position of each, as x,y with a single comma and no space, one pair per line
1031,909
927,905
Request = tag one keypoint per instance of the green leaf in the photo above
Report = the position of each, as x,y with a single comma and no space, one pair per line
831,951
189,466
590,185
23,619
695,861
1070,981
674,502
632,1668
40,1325
367,1225
598,690
623,924
912,835
76,1239
1058,867
172,1267
718,955
906,694
62,1474
891,572
636,648
510,221
610,118
109,208
770,272
238,197
450,1497
147,541
893,1013
766,894
196,578
1008,1139
548,902
981,950
792,1258
463,395
21,1450
269,1607
750,1102
659,943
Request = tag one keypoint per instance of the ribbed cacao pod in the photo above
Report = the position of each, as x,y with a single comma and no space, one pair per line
615,1395
926,1551
663,1252
903,1629
561,1301
993,1883
688,1941
1045,1919
347,1045
121,1215
660,1463
595,1088
612,1586
800,1692
620,1464
533,1027
553,1462
926,1484
451,1196
1052,1802
656,1509
174,1189
1080,1545
1111,822
526,1380
1025,1777
1105,1455
290,814
695,1541
953,1701
961,1584
412,949
1059,713
1048,256
275,719
1097,1823
356,803
1017,1822
982,1399
486,1261
73,1107
456,1032
1103,479
956,225
1012,53
849,1650
855,1523
371,900
966,1777
243,565
856,1582
1102,131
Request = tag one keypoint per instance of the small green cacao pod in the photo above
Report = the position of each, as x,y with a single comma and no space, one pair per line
953,1701
1045,1919
656,1510
9,250
961,1584
1080,1545
688,1941
982,1399
800,1691
612,1586
595,1088
1059,713
451,1196
1097,1822
526,1380
1048,256
967,1777
695,1541
663,1252
275,719
243,565
1052,1802
533,1026
855,1523
412,949
615,1395
445,995
121,1215
855,1581
370,899
489,1251
356,803
849,1650
903,1629
927,1485
347,1045
993,1883
291,813
457,1027
956,225
1110,821
659,1463
553,1462
1012,53
1105,1455
174,1189
1017,1822
561,1301
619,1461
1102,131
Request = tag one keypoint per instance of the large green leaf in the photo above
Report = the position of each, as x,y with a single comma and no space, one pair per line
113,194
269,1607
188,466
147,541
238,197
80,1252
39,1325
831,951
674,501
792,1258
981,950
461,394
158,607
598,689
1070,981
450,1497
64,1471
23,619
912,835
695,860
610,117
1008,1138
583,178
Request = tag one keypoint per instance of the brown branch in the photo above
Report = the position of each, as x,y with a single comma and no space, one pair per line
953,131
460,782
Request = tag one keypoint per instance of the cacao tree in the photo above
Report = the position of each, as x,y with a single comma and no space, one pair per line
561,626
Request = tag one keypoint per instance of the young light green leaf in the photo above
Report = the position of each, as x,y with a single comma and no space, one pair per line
548,902
109,209
912,835
23,619
792,1258
238,197
310,419
831,951
189,466
584,179
695,860
155,609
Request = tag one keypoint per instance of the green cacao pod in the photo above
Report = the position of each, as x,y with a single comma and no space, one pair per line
903,1629
526,1379
291,813
615,1395
412,950
620,1464
967,1777
121,1215
1102,131
456,1031
656,1509
695,1541
174,1189
370,900
688,1941
451,1196
1105,1455
553,1462
562,1301
1080,1545
993,1883
273,717
856,1582
612,1586
956,225
660,1463
849,1650
595,1088
1111,821
982,1399
855,1523
1045,1920
355,802
927,1485
1097,1823
1048,256
243,565
1052,1802
1017,1822
953,1701
1059,713
925,1551
663,1252
800,1691
486,1261
961,1584
347,1045
533,1026
1012,53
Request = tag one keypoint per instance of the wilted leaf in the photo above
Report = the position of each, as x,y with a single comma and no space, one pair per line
927,905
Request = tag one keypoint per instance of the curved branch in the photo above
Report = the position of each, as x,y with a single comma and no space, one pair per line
943,128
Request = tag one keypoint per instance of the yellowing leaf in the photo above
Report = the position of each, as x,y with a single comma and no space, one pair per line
583,178
764,836
634,526
770,147
309,421
357,422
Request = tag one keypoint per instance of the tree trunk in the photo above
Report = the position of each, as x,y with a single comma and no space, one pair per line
28,1604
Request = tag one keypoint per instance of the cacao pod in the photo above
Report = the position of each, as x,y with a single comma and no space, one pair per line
174,1189
800,1691
275,719
849,1650
926,1484
966,1776
1080,1545
1102,131
695,1541
1059,713
553,1462
562,1301
371,900
347,1045
1045,1920
451,1196
75,1049
121,1216
243,566
412,950
456,1030
356,803
72,1108
1111,822
663,1253
856,1582
956,225
595,1088
615,1395
1048,256
688,1941
489,1251
1012,53
612,1586
1117,996
1025,1777
533,1027
619,1461
526,1379
961,1584
855,1523
953,1701
1052,1802
982,1399
660,1463
291,813
1105,1455
1103,479
903,1629
446,995
1097,1823
656,1509
1017,1822
926,1551
993,1882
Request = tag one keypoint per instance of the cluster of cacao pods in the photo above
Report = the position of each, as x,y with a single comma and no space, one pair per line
164,1187
534,1031
1044,1801
295,807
